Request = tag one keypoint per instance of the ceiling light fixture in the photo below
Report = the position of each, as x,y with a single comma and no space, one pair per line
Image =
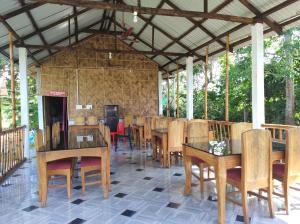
135,18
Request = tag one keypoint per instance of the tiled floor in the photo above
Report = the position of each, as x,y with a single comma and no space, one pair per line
142,192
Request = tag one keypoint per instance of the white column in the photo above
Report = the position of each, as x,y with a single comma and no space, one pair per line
24,98
189,94
39,99
258,97
160,104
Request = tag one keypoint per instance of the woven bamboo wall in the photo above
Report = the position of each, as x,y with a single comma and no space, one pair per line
127,80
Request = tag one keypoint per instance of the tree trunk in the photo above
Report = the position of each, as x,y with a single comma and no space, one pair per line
290,100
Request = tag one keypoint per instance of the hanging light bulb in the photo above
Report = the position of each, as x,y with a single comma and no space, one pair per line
110,55
135,18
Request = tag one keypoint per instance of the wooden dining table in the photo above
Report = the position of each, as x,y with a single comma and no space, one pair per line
160,135
82,141
218,155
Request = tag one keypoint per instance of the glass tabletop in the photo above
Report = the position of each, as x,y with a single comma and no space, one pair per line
222,148
80,138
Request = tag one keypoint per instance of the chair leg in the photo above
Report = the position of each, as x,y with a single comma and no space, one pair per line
245,206
169,159
270,200
69,184
82,174
286,196
201,175
130,143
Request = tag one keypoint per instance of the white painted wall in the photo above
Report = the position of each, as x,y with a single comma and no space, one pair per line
39,99
258,97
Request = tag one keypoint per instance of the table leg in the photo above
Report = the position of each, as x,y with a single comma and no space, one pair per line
188,173
43,180
141,136
104,173
165,150
154,147
221,189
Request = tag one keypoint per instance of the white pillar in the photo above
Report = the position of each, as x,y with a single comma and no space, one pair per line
258,97
160,104
24,98
189,94
39,99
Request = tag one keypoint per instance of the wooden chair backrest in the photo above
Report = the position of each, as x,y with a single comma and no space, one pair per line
47,137
236,136
38,141
106,135
292,154
140,120
175,135
161,123
79,120
128,119
92,120
256,158
147,128
197,131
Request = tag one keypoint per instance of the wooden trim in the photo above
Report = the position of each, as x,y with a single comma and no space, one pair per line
206,85
12,79
227,81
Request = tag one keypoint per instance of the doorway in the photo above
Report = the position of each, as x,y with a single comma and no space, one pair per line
55,110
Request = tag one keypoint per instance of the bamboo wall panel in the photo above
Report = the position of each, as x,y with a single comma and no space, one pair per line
127,80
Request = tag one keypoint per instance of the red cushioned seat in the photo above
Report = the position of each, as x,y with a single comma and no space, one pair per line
90,161
234,174
196,160
278,170
60,164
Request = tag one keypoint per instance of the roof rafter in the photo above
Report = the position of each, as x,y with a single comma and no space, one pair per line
275,26
21,10
34,24
151,11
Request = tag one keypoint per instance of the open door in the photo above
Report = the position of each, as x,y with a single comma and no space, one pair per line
55,110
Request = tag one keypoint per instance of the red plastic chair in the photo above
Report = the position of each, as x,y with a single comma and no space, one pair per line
121,131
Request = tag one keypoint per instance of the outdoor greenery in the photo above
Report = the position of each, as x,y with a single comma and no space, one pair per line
282,66
282,85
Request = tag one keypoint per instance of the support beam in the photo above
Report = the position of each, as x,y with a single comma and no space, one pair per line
227,81
159,87
12,79
151,11
258,97
24,98
168,94
177,92
189,94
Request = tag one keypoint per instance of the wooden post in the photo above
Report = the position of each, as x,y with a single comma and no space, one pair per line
168,95
177,92
226,80
12,77
0,116
206,84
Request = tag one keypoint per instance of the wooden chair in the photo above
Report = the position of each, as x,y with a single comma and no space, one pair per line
62,167
92,120
128,119
197,131
80,120
55,135
93,164
289,172
175,138
236,136
47,137
256,170
147,129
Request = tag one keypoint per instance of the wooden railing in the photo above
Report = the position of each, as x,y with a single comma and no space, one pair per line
219,130
278,131
11,150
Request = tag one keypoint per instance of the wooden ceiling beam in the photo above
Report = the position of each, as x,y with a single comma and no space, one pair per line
150,20
151,11
47,27
196,23
21,10
275,26
240,26
56,47
34,24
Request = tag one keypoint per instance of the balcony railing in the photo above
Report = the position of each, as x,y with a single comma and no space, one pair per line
11,150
